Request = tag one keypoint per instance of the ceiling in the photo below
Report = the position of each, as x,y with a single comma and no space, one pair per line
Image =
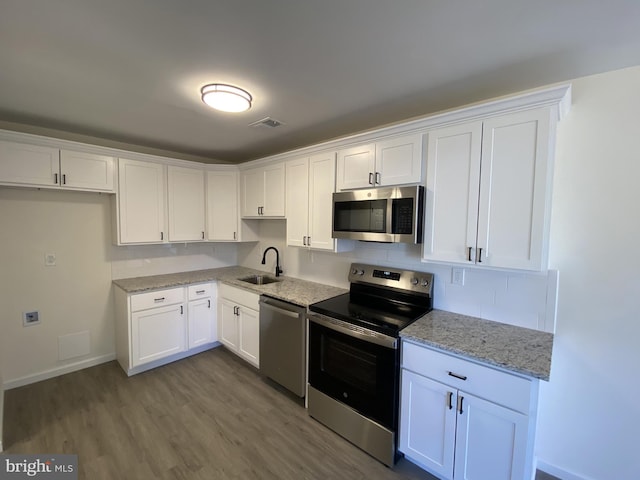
129,72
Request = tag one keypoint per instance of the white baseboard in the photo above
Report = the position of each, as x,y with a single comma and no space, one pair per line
57,371
559,472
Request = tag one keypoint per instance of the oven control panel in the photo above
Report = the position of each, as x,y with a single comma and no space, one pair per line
416,282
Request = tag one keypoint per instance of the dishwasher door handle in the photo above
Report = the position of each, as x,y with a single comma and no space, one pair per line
281,311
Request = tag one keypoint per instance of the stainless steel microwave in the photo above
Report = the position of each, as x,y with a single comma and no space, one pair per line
391,215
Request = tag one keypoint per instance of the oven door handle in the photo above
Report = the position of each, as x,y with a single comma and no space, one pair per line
356,332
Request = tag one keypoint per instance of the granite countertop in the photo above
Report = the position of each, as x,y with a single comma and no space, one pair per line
294,290
521,350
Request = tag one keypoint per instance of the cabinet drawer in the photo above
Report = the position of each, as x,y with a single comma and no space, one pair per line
496,386
240,296
201,290
157,298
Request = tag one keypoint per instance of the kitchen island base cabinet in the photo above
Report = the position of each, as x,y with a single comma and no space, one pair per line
239,322
158,327
456,434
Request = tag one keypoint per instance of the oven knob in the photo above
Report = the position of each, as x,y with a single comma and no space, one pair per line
425,282
414,281
359,272
354,272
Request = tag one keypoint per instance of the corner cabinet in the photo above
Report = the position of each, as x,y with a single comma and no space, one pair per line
239,322
461,420
263,192
488,193
161,326
392,161
310,183
141,203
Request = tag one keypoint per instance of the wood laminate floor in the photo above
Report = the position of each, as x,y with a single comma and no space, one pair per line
210,416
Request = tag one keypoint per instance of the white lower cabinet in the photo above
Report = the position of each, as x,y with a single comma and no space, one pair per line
239,322
158,327
461,420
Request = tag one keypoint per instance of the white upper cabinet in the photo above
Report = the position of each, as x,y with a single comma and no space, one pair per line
488,191
34,165
393,161
310,185
263,191
186,204
222,206
86,171
141,202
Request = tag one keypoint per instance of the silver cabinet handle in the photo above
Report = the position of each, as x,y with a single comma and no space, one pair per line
480,255
449,397
200,292
64,178
203,235
55,178
308,241
235,236
457,375
460,398
161,299
377,178
370,178
161,235
469,254
181,310
208,303
304,240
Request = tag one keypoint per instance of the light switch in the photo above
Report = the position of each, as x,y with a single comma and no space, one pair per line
50,259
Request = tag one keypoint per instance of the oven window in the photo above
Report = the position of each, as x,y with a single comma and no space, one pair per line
360,216
348,364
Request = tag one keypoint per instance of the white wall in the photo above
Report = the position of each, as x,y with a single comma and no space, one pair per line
590,410
72,298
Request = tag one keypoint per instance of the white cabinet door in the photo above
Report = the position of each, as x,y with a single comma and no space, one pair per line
356,167
274,204
222,206
202,324
86,171
297,202
453,183
141,202
514,190
157,333
252,192
399,160
186,204
228,324
25,164
491,441
427,423
249,335
322,179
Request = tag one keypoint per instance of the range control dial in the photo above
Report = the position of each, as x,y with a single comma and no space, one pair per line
414,281
357,271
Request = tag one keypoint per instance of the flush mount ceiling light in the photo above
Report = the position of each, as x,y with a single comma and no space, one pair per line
226,97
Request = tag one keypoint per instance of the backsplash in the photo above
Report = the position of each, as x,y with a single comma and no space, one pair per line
517,298
144,260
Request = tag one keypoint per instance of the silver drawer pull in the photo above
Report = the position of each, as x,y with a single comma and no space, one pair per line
455,375
200,292
161,299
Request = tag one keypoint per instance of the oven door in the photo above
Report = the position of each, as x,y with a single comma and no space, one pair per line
356,367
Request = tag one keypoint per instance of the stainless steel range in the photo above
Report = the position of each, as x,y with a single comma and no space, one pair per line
354,356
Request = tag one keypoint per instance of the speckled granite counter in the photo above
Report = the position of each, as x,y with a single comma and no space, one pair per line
518,349
294,290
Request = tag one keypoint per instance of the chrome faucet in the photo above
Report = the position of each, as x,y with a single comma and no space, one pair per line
264,256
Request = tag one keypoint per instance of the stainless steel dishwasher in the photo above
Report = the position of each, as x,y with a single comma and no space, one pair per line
283,343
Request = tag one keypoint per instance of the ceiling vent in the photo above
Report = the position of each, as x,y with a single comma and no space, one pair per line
267,122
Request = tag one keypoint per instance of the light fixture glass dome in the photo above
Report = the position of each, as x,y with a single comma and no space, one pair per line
226,98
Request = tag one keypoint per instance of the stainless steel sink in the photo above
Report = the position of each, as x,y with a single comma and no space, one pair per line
259,279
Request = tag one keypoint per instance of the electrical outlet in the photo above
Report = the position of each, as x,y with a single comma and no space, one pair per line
30,318
50,259
457,276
